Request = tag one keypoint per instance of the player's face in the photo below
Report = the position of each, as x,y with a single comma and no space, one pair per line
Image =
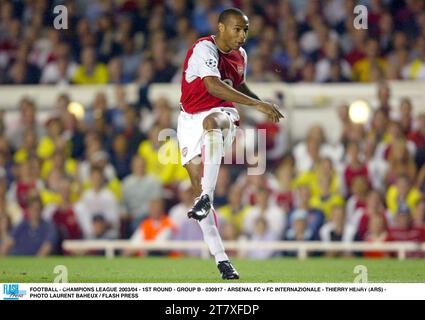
235,31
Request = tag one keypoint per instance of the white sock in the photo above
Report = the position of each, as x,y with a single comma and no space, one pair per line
212,238
213,148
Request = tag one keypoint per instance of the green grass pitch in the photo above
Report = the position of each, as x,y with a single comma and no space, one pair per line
190,270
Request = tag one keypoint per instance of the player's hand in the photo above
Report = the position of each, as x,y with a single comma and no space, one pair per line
271,110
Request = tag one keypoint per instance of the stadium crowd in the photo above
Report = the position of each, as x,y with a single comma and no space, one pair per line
99,177
124,41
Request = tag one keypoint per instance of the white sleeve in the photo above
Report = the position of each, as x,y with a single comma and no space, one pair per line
203,62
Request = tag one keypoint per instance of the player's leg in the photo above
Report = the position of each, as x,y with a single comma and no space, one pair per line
209,227
213,150
208,224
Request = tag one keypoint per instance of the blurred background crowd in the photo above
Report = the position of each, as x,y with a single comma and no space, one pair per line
121,41
99,177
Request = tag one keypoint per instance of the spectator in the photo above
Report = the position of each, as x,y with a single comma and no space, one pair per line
145,77
131,129
326,199
275,216
158,227
406,116
372,67
53,140
164,70
405,230
9,208
27,183
337,229
28,148
262,233
5,229
416,69
384,98
285,175
63,214
120,156
178,213
235,212
374,207
315,217
378,125
402,194
421,179
418,135
376,167
34,236
130,59
89,71
359,191
298,229
98,204
167,169
258,72
23,72
376,233
419,214
400,162
62,69
324,67
354,166
138,189
323,168
27,121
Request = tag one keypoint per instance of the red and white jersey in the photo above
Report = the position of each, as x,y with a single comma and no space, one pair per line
205,59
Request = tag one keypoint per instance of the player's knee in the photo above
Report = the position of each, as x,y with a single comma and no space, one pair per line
210,123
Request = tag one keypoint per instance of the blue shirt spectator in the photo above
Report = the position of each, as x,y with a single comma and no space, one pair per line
29,239
32,236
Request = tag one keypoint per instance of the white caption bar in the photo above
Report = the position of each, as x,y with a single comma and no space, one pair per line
195,291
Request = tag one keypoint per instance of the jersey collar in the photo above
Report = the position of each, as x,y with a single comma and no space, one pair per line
213,37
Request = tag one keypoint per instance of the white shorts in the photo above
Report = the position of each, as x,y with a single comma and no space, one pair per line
190,130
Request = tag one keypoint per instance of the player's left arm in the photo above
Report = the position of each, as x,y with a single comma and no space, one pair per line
243,88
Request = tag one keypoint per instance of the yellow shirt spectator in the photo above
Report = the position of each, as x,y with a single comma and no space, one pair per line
325,204
392,199
169,170
98,76
71,167
415,70
49,197
311,179
20,156
235,218
362,70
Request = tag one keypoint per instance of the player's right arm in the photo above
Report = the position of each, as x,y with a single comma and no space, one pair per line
222,90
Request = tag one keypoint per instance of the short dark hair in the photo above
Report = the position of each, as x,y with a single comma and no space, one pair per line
225,14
